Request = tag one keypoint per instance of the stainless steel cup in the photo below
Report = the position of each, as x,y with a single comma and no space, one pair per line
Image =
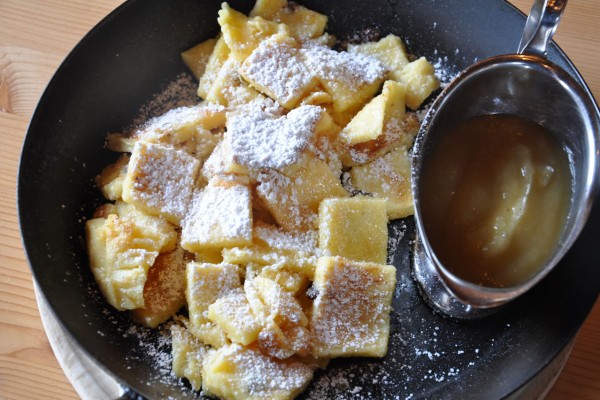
529,86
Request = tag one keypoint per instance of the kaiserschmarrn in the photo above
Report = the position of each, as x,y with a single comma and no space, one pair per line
255,222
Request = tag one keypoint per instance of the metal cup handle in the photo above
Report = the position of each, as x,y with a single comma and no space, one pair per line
541,24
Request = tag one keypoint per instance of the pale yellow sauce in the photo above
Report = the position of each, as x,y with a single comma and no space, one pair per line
495,193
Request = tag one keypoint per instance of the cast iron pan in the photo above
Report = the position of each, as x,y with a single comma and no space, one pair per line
132,55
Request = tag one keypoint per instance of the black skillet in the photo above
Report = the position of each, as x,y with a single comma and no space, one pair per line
133,54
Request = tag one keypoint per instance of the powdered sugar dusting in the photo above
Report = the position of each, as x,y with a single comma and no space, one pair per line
351,308
275,187
445,71
163,177
262,375
276,68
260,141
165,284
176,118
278,238
218,281
218,212
178,93
282,306
397,232
352,69
158,348
234,307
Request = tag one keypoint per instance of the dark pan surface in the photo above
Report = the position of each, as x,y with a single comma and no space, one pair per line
132,55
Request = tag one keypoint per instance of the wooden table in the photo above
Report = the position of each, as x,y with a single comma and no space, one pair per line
35,36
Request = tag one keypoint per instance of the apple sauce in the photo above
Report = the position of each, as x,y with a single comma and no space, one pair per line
495,195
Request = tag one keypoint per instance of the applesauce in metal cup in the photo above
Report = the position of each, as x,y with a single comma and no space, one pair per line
504,172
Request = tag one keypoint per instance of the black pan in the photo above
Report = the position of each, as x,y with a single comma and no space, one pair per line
130,56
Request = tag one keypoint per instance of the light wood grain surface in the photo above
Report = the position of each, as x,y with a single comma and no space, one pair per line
35,36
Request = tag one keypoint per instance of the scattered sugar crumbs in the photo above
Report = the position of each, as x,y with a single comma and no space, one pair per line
415,367
426,354
155,344
180,92
395,236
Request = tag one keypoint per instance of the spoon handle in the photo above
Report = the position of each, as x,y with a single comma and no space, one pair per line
540,26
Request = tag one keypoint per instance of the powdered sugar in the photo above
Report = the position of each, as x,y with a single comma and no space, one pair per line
207,283
281,305
177,118
178,93
165,284
263,375
218,212
157,347
278,238
162,178
385,166
397,232
351,69
350,313
260,141
275,67
444,71
228,87
235,315
276,188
